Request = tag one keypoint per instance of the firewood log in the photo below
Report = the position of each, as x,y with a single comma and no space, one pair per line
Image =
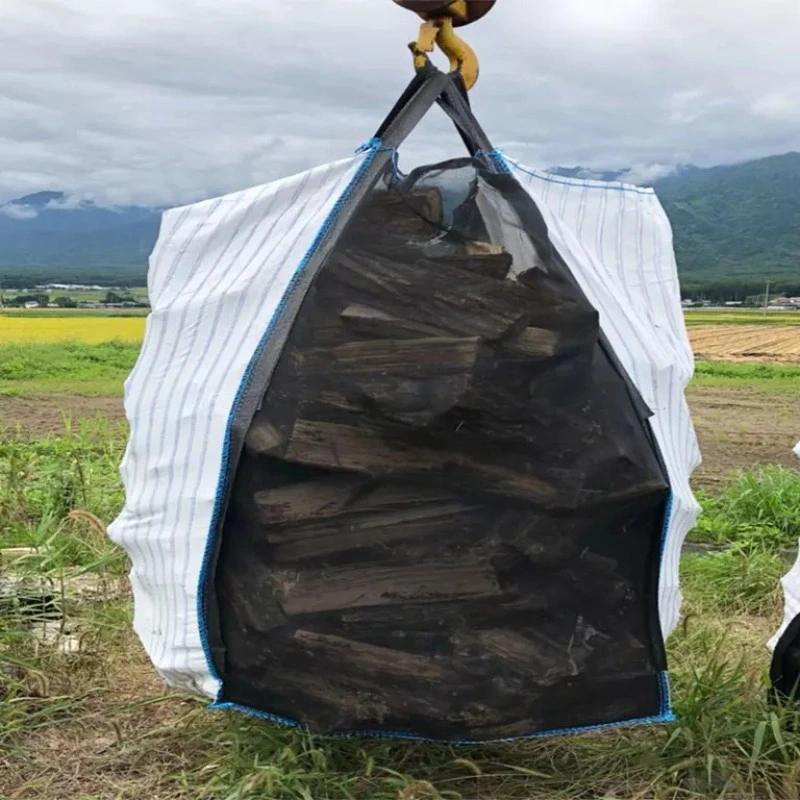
310,591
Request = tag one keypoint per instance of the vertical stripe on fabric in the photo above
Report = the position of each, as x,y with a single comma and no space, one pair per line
626,282
221,268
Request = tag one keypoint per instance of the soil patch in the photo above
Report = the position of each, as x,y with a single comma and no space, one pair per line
43,416
739,429
771,343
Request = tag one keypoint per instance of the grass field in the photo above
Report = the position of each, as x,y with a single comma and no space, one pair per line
70,328
138,293
745,316
66,368
83,716
72,313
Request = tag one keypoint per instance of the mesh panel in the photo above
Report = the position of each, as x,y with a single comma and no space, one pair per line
447,517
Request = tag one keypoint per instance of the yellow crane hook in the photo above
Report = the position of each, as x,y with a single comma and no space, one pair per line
440,20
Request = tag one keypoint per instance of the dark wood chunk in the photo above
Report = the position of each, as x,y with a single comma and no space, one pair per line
372,452
263,438
404,358
359,658
398,215
309,500
409,380
315,591
337,495
535,652
375,322
536,343
434,294
429,525
495,266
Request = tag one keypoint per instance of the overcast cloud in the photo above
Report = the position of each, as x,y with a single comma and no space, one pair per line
167,101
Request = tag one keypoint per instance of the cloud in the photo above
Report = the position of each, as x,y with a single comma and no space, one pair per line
69,202
16,211
167,101
647,173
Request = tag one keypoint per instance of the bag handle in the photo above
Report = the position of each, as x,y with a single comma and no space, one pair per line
455,103
451,96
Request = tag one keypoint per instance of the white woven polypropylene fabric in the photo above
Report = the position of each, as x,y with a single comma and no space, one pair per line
617,241
217,275
791,592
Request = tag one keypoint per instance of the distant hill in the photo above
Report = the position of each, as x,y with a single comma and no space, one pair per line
737,222
53,234
733,221
741,220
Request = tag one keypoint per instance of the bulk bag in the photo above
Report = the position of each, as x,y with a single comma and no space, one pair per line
785,645
409,455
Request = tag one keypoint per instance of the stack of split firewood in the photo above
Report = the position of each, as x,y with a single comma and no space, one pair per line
412,536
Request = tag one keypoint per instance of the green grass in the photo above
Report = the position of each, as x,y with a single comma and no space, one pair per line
86,296
747,316
764,378
735,581
66,368
96,725
53,313
759,509
43,480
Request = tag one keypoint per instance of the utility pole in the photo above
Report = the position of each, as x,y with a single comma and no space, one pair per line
766,299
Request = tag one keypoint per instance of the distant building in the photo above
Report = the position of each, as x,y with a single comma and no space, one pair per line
73,287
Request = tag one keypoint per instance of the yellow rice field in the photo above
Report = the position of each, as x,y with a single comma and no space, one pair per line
91,330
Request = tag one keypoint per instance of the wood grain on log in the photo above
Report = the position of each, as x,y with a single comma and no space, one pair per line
445,297
375,322
312,592
372,452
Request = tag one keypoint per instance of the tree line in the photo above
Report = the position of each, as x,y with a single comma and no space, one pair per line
722,290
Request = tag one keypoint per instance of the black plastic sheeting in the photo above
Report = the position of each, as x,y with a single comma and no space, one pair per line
785,668
446,521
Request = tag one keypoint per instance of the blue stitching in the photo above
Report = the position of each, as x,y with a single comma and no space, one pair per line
666,695
376,145
615,186
372,151
496,156
605,726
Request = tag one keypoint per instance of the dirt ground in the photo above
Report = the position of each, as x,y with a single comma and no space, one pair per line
737,428
775,343
42,416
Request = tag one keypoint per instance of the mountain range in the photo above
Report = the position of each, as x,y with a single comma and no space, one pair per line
739,221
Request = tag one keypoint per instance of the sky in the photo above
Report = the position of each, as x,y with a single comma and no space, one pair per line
168,101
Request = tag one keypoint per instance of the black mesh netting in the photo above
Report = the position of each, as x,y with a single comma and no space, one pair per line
785,667
447,516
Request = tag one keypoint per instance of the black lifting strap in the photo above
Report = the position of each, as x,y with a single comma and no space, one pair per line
452,97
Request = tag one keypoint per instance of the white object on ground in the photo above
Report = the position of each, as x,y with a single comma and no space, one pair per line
791,592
